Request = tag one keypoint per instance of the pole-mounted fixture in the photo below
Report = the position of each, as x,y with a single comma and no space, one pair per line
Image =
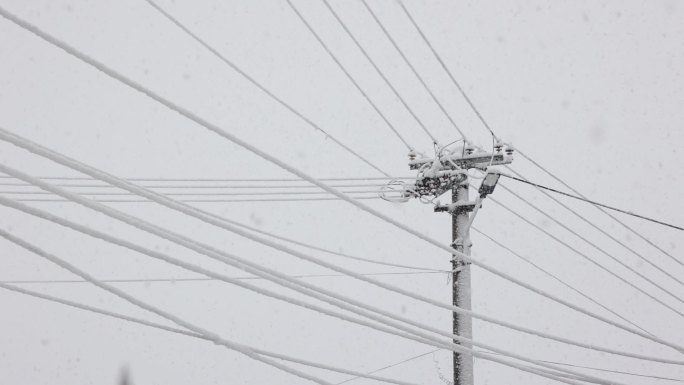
448,171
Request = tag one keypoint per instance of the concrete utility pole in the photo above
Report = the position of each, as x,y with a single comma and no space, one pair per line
436,177
462,326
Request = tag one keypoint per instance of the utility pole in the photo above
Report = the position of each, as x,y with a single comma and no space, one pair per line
461,282
449,172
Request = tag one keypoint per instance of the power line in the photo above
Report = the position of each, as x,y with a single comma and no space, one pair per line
638,234
593,202
247,351
484,122
226,135
606,370
556,278
413,69
234,260
587,258
200,279
379,71
174,194
154,325
262,87
254,229
344,303
592,244
160,179
602,231
390,366
446,69
204,186
204,200
356,85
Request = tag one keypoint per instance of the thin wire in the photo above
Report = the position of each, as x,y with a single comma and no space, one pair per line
220,179
202,200
379,71
556,278
201,186
199,279
227,136
446,69
638,234
345,302
261,87
390,366
246,265
289,240
594,226
139,321
196,335
413,69
604,370
100,193
586,257
134,301
356,85
592,244
593,202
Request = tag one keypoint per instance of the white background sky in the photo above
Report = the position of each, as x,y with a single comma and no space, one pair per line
591,89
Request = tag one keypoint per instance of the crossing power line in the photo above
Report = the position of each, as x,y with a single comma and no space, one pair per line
211,219
389,323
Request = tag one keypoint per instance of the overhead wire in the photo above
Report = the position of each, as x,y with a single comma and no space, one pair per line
556,278
593,244
219,131
271,274
154,325
189,179
404,331
494,137
205,200
356,85
200,279
522,153
378,70
217,339
211,219
174,194
286,239
446,69
614,218
587,258
260,86
593,202
602,231
390,366
413,69
201,186
651,376
484,122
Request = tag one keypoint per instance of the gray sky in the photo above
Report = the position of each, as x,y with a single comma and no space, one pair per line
593,90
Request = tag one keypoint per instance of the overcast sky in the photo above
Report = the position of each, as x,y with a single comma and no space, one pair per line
593,90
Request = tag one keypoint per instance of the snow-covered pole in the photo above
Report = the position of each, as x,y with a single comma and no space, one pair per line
460,282
448,170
